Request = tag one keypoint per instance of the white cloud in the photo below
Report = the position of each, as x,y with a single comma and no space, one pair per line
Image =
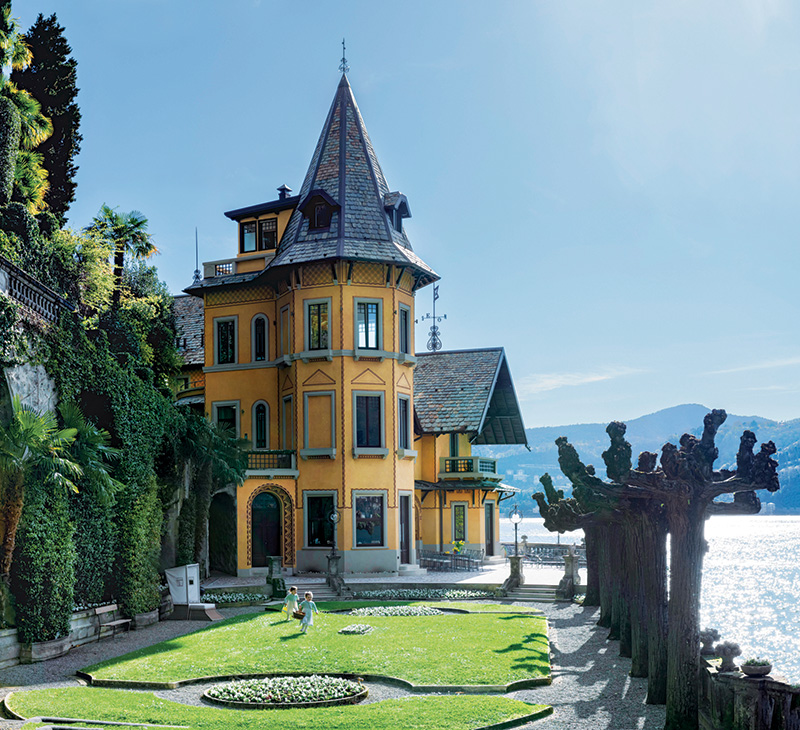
530,385
763,365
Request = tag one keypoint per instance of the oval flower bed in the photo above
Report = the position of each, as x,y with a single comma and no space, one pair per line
358,629
396,611
285,692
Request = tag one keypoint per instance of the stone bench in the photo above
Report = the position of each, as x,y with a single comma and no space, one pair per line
107,612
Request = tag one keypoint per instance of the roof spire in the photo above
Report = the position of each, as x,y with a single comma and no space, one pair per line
344,67
197,278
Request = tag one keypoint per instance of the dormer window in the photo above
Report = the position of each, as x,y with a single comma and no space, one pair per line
321,217
396,206
318,208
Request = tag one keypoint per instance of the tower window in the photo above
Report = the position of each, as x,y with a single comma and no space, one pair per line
260,426
367,325
268,234
247,232
260,339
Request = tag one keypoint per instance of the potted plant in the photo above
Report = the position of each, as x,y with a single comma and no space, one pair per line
756,667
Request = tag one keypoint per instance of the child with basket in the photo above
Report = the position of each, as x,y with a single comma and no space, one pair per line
308,608
291,602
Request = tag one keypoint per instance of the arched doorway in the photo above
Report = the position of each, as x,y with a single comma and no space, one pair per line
267,524
222,534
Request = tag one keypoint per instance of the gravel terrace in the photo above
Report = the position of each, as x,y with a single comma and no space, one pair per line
591,688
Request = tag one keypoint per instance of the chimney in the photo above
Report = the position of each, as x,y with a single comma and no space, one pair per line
283,191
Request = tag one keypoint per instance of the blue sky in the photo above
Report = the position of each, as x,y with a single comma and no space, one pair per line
608,190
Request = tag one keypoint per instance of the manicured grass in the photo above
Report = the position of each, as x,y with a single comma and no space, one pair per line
471,606
459,712
452,649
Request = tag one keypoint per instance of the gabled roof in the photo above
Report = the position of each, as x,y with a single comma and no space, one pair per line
345,167
468,391
189,327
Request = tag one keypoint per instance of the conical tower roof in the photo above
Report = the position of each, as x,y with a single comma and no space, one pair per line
364,213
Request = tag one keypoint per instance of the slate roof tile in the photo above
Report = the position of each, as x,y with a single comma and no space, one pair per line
189,313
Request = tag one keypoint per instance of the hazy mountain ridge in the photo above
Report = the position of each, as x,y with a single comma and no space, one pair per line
649,433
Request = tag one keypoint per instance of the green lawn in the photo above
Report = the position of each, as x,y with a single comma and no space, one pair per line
470,606
459,712
452,649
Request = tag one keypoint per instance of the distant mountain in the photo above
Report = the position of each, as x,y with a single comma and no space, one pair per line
649,433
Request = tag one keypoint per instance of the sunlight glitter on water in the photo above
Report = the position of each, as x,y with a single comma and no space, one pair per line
751,583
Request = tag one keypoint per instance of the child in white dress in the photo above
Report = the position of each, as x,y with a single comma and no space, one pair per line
309,608
290,602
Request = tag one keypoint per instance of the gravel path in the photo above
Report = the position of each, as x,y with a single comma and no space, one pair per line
591,689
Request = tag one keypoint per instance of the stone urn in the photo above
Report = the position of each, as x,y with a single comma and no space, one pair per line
707,638
756,670
727,651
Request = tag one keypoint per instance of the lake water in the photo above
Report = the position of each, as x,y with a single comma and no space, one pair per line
751,583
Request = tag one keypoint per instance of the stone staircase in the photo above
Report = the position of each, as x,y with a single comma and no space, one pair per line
533,594
321,590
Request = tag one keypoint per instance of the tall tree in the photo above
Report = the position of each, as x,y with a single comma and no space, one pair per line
22,123
127,233
50,78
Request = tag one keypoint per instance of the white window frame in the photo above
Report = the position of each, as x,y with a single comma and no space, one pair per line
307,323
216,405
263,316
217,321
253,423
406,452
370,450
379,324
453,506
404,308
305,452
317,493
366,493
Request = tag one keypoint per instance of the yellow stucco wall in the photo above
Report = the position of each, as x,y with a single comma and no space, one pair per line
246,383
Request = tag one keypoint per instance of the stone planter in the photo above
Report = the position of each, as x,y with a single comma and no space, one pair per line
9,648
140,620
41,651
756,670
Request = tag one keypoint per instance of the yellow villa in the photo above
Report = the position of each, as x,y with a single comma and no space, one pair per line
303,344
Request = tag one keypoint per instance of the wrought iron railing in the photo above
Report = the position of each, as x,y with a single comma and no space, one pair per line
469,464
270,460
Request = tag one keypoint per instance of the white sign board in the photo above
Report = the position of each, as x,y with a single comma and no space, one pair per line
184,584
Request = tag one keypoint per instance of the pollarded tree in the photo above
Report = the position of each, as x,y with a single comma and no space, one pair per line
51,78
626,553
688,487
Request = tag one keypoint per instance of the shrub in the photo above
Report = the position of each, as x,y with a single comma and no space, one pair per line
95,543
281,690
9,145
42,578
138,547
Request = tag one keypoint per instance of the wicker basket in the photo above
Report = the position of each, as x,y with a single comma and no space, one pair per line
299,614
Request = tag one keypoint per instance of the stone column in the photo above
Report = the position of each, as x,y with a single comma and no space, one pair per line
334,578
571,579
517,576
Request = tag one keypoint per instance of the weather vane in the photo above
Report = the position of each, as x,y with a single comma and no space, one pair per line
344,67
434,341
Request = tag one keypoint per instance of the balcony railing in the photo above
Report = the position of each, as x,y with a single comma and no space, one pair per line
468,467
271,461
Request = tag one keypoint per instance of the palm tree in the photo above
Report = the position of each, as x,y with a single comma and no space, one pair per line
30,181
31,440
127,233
22,122
92,451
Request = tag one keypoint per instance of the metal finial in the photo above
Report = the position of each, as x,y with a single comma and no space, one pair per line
197,275
344,67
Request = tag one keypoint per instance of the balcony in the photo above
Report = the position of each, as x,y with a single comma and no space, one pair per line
238,265
468,467
276,464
